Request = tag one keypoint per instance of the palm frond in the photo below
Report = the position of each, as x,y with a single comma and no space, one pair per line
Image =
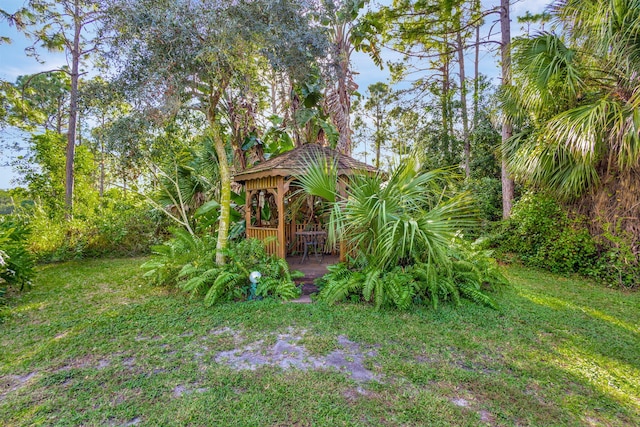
321,177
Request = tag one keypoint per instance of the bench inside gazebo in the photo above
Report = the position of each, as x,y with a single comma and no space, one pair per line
288,222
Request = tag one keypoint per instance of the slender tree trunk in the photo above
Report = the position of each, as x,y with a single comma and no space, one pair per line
476,73
507,129
340,99
73,113
476,79
463,106
225,194
101,141
101,167
444,99
224,171
378,135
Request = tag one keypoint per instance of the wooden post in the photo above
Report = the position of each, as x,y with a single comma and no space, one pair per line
282,245
342,191
247,207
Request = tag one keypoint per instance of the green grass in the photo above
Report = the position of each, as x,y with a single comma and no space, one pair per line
92,344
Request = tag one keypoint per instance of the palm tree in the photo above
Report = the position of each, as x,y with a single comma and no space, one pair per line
188,180
338,97
402,230
576,107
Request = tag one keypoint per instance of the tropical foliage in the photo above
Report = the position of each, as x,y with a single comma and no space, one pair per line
188,261
541,234
576,109
115,226
16,263
192,92
402,230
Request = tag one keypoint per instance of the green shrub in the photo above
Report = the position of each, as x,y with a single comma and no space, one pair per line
573,250
189,262
536,219
118,226
16,263
467,270
541,234
618,265
487,195
169,258
403,230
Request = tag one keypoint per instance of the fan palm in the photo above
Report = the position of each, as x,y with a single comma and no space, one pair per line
402,230
188,180
391,220
576,102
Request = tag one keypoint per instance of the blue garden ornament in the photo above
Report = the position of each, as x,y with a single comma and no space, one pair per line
254,278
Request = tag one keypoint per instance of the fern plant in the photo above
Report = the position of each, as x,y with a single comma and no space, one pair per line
170,258
16,263
189,262
403,286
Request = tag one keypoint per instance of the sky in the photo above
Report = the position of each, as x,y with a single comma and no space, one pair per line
14,62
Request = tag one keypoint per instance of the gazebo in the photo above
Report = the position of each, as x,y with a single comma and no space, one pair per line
268,187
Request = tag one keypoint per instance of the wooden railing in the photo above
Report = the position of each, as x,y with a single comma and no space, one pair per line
268,235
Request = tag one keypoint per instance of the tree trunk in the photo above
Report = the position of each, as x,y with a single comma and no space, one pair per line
507,130
101,142
223,168
378,134
340,100
476,73
444,99
225,194
463,106
101,167
73,113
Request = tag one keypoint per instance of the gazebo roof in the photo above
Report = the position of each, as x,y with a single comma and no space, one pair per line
295,162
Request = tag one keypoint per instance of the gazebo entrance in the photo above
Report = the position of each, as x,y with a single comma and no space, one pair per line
284,219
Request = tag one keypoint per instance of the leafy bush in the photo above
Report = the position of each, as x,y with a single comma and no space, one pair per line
16,263
118,226
572,250
541,234
617,264
189,262
487,195
536,220
170,257
465,274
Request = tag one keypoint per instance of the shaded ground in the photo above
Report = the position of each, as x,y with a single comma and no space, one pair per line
313,268
91,344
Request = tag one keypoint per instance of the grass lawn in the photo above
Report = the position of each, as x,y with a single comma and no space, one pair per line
91,344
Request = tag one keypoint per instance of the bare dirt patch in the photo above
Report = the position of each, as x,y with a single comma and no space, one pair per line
182,390
288,353
12,383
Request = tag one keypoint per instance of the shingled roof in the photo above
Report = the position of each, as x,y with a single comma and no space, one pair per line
295,162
